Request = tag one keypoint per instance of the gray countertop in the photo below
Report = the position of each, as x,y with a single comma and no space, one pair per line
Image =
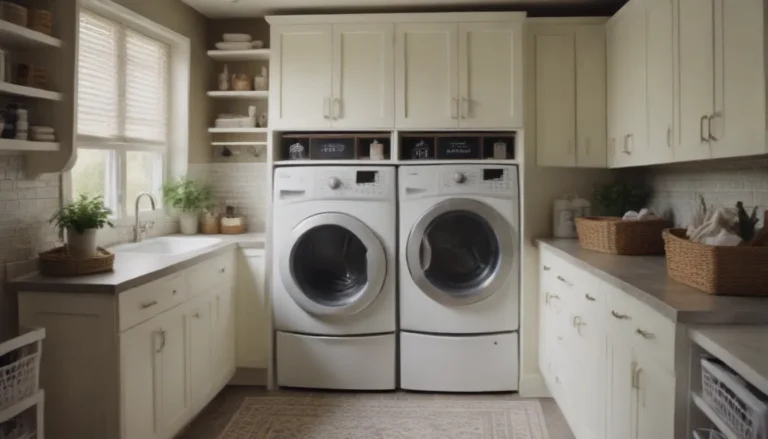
134,269
742,348
645,278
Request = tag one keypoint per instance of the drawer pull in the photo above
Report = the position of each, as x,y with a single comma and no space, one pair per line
174,292
196,315
223,270
590,298
161,333
547,268
645,334
148,304
620,316
562,279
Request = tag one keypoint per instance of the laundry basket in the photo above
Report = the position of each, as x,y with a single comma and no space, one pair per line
20,367
733,400
706,433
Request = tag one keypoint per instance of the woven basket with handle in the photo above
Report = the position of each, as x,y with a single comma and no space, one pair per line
618,237
735,271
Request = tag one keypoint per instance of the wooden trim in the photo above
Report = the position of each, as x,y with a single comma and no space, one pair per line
436,17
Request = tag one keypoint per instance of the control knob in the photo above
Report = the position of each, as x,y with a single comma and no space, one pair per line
459,177
334,183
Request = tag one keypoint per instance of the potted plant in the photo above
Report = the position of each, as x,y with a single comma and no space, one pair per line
81,219
190,198
616,199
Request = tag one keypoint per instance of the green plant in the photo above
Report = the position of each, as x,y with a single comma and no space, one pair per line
618,198
82,214
186,195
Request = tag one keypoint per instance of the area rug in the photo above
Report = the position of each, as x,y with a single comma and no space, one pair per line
356,418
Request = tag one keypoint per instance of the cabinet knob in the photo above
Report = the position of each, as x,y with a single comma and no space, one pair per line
223,270
196,315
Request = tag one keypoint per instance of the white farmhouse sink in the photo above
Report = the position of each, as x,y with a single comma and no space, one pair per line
168,245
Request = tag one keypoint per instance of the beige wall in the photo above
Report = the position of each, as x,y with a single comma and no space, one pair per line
186,21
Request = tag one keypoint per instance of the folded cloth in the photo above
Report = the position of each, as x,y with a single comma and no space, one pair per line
42,130
44,137
644,214
724,238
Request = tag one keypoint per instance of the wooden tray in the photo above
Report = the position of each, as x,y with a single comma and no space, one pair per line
58,262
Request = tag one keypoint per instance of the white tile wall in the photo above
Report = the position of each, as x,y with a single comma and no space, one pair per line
243,185
722,183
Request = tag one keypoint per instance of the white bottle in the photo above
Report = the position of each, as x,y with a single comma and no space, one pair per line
22,124
224,79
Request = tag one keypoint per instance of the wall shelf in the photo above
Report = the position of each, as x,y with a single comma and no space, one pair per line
15,36
27,145
236,130
240,55
239,143
234,94
30,92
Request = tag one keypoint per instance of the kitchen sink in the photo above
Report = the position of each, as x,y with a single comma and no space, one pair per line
167,245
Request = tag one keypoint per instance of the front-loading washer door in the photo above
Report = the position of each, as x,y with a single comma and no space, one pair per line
333,264
460,251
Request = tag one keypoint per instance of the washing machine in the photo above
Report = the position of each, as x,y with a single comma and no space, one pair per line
459,278
334,277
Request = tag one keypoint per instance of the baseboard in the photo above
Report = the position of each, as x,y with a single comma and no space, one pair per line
533,386
246,376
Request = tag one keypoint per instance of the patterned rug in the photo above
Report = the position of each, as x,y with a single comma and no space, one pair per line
356,418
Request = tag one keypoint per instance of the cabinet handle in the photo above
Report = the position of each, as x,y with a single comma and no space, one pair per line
326,108
196,315
148,304
223,270
454,108
161,333
578,323
547,268
551,296
645,334
709,126
590,298
620,316
174,292
465,110
336,108
562,279
704,139
669,137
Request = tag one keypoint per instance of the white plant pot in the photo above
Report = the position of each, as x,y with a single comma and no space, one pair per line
81,245
189,223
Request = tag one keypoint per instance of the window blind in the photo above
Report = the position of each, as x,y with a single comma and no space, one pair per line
123,83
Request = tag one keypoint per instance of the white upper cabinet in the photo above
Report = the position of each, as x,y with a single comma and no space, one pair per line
363,75
490,75
301,76
660,77
427,75
570,94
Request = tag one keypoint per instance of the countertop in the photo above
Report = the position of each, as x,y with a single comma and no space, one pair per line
742,348
134,269
645,278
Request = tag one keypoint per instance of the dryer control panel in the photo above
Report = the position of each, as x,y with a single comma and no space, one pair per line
337,182
500,180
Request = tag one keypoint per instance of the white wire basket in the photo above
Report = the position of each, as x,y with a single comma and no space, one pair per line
703,433
741,408
20,367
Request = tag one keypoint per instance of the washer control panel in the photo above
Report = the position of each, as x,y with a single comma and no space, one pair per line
352,182
431,180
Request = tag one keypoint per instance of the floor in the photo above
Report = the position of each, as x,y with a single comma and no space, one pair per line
214,418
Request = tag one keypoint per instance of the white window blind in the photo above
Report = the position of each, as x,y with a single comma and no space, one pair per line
123,88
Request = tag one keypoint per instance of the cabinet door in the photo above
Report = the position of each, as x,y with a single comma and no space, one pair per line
252,311
223,324
620,368
172,399
426,75
655,402
200,349
301,76
613,90
555,99
660,81
591,97
620,98
491,75
363,75
636,103
696,33
138,376
590,360
739,122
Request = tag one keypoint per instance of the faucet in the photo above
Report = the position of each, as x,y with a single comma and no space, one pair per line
139,229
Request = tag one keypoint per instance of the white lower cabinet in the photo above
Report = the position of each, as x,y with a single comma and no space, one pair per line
610,380
174,342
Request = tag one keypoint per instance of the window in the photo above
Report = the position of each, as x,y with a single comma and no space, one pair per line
123,113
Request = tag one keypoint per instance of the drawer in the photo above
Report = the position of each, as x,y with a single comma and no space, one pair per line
648,332
217,271
144,302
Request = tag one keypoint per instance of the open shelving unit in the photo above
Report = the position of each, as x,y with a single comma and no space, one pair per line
235,94
29,92
27,145
18,37
240,55
237,130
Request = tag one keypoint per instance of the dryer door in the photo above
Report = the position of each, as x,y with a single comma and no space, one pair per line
333,264
460,251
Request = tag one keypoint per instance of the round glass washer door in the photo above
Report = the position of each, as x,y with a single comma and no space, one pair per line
460,251
336,265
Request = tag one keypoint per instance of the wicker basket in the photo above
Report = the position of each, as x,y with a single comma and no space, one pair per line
14,13
734,271
41,21
618,237
58,262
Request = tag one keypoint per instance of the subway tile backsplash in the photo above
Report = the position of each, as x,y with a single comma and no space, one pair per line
722,183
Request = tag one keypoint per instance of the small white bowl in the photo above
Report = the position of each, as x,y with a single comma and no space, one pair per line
237,38
258,44
233,46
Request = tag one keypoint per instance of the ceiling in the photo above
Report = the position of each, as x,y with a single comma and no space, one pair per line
258,8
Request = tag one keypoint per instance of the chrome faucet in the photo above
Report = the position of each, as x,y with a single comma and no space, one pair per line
139,229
